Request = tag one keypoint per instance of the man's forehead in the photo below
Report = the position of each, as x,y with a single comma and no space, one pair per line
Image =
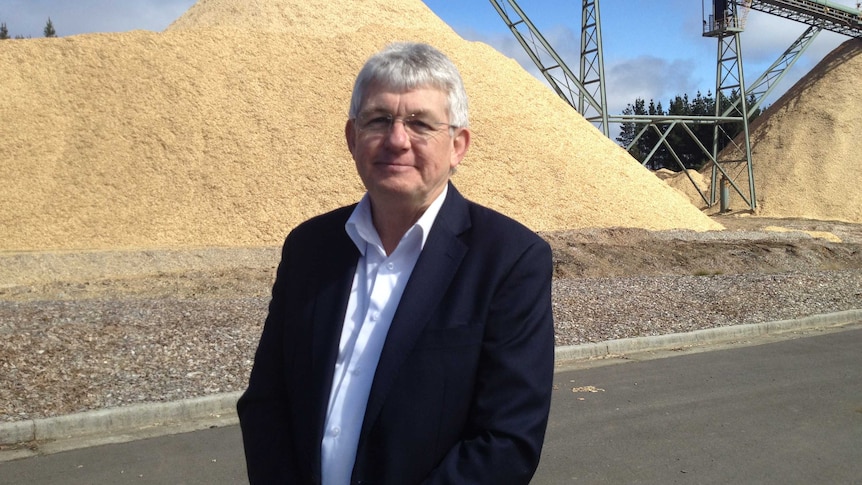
419,99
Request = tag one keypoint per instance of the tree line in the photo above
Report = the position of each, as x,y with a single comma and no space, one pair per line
49,31
691,156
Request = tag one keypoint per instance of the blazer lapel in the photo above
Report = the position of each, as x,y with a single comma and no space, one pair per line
431,277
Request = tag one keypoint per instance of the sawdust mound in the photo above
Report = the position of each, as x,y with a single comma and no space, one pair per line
227,130
690,183
806,147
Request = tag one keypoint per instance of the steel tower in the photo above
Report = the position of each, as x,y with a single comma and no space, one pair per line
723,20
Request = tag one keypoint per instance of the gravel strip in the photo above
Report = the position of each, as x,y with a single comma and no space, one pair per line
594,310
61,357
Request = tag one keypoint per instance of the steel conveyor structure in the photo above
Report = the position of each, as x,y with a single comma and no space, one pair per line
826,15
723,20
586,92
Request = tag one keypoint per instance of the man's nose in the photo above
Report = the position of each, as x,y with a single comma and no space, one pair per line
398,135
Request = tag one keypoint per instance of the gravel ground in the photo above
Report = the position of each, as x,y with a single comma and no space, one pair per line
83,331
593,310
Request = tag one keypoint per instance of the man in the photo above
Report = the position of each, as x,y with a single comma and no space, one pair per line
409,337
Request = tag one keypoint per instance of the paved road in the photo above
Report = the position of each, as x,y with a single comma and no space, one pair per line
785,412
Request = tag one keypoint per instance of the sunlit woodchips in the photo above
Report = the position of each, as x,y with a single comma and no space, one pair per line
227,130
806,147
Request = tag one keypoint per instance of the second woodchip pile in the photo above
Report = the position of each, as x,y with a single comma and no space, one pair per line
805,147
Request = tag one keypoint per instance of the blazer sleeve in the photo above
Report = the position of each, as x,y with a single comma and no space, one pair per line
282,409
262,407
509,411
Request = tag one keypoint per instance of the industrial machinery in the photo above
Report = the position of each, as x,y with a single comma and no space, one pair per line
723,20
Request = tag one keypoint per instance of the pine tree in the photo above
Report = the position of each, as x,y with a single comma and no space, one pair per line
49,29
627,129
690,154
4,32
630,129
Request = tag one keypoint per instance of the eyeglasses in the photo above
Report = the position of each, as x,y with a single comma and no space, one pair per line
418,126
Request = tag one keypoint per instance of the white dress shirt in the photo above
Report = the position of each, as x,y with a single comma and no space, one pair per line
377,287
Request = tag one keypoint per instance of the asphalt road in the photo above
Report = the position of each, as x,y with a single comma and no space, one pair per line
785,412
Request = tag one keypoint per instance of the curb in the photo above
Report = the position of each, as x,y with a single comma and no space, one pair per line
120,419
702,337
127,418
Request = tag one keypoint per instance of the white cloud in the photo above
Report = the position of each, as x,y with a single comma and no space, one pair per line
563,40
648,77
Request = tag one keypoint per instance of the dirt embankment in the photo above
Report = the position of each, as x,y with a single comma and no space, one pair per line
749,245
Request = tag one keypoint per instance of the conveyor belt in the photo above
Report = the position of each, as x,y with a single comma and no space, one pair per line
827,15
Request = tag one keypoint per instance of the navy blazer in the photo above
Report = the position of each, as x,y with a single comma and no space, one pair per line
462,390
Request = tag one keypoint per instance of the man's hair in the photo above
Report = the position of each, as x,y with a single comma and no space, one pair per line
404,66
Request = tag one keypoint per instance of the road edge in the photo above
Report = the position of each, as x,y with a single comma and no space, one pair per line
152,419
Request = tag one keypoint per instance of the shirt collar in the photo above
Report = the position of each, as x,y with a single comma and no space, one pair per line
361,229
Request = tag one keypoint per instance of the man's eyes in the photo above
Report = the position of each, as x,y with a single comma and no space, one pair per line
379,122
418,125
412,123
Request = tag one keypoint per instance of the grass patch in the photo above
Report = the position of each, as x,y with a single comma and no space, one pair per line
705,272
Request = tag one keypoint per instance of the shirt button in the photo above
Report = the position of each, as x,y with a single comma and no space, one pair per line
335,431
390,265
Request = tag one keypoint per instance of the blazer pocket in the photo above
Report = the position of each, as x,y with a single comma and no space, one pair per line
451,337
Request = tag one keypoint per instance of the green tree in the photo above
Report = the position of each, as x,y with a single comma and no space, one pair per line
49,29
628,130
686,148
4,32
661,158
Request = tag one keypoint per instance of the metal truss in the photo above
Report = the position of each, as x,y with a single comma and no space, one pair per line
765,84
663,126
573,89
587,94
730,83
828,15
593,65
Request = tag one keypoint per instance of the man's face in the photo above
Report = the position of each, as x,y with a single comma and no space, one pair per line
407,160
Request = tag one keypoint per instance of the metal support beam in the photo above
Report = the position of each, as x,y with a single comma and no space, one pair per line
593,65
561,79
828,15
724,20
765,84
730,83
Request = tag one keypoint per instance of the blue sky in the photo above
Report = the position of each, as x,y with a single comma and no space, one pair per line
652,49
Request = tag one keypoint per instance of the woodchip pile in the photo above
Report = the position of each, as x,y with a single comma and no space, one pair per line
227,130
806,146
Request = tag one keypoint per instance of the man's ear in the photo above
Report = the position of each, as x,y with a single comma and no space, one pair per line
350,135
460,144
